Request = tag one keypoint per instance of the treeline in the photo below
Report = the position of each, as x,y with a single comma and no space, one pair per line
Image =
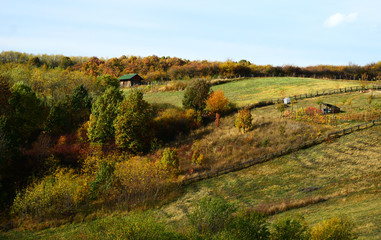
154,68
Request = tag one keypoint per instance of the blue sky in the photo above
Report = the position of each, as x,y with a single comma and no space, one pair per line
297,32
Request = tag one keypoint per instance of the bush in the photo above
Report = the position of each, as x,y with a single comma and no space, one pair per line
170,159
137,226
196,94
103,179
211,215
171,122
312,111
249,225
59,195
198,158
337,228
67,150
244,120
140,181
290,229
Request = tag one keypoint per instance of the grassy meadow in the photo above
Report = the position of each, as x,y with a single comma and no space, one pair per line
346,171
338,177
253,90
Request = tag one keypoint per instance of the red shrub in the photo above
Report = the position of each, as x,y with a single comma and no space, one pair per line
312,111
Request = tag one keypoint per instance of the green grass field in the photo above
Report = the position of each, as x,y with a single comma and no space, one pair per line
347,168
253,90
347,171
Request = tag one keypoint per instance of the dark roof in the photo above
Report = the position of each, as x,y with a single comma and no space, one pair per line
128,76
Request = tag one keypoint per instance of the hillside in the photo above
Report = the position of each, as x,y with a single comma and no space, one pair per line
346,171
253,90
337,177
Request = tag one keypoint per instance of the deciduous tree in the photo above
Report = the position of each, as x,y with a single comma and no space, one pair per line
196,94
133,124
103,113
217,102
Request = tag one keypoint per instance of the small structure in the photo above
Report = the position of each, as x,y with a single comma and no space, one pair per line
287,100
129,80
329,108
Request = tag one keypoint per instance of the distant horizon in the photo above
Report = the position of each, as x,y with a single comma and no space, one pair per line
274,32
128,55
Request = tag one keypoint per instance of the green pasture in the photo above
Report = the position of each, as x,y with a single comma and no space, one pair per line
347,168
253,90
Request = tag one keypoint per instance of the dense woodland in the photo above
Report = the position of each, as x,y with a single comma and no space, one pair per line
67,130
154,68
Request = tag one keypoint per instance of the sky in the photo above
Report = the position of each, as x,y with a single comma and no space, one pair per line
276,32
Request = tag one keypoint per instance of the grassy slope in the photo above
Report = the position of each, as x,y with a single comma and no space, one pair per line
256,89
348,167
350,164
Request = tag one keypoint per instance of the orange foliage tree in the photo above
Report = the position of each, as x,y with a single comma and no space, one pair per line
217,102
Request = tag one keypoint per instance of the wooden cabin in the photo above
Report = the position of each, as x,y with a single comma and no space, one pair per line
329,108
129,80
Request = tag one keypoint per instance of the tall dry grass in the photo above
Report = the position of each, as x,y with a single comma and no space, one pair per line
225,145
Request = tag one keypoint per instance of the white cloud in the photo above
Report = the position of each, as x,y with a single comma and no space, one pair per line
339,18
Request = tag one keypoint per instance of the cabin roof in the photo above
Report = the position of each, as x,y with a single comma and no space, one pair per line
128,76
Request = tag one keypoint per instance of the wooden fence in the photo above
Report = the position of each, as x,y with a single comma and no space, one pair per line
318,93
352,129
267,157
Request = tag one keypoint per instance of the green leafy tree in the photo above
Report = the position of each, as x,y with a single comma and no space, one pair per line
103,113
196,94
68,114
9,156
80,105
106,81
58,120
66,62
5,93
34,61
28,113
133,125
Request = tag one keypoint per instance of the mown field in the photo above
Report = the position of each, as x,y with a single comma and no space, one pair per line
253,90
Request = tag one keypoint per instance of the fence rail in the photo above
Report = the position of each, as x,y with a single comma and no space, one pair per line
267,157
318,93
352,129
